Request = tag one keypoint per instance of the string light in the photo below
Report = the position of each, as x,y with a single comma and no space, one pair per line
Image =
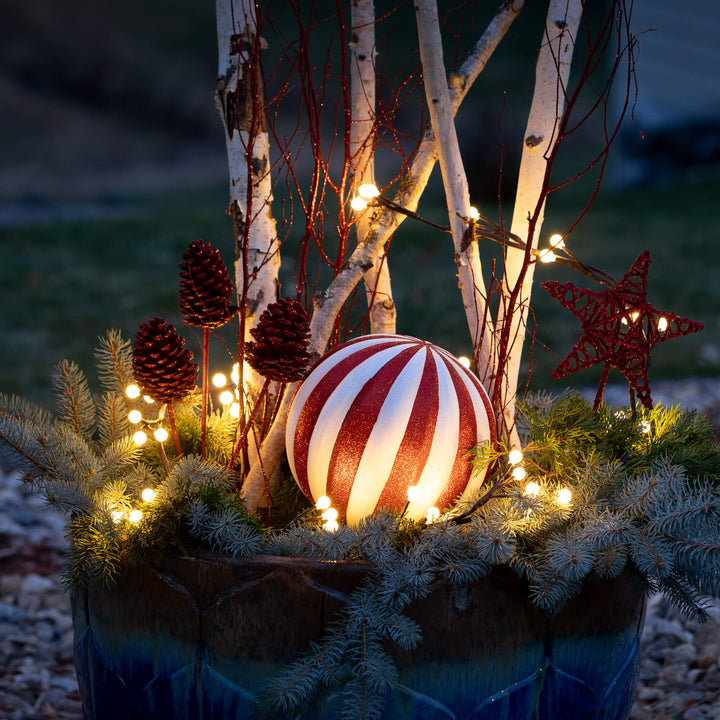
234,410
532,489
413,493
662,324
148,495
235,373
464,361
134,416
515,457
368,191
645,427
547,256
323,502
564,496
358,204
135,516
330,514
226,397
519,473
432,515
474,213
116,516
140,438
219,380
556,241
331,526
161,434
132,391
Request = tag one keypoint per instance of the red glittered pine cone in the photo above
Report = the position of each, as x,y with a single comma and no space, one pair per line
282,337
205,287
161,364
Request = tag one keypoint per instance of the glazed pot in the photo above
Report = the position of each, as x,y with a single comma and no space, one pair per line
198,637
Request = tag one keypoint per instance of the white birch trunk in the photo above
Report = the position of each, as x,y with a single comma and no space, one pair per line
548,104
248,150
239,101
328,303
467,257
378,289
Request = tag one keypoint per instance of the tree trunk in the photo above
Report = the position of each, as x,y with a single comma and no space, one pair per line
551,78
378,289
467,257
241,104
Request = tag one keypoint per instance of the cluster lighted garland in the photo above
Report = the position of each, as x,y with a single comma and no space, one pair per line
485,229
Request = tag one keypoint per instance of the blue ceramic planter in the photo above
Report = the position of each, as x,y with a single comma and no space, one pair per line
197,638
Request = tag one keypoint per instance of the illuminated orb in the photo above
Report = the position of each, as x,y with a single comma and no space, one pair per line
381,413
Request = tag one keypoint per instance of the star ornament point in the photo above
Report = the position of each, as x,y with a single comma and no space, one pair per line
620,328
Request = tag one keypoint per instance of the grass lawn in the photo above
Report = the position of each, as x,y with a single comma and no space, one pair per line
64,283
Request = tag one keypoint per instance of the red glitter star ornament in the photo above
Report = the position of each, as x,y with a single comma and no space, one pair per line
620,328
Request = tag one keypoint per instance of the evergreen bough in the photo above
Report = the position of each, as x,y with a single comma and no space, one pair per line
645,494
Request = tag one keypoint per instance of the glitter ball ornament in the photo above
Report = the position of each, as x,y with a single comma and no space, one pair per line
380,414
205,286
161,365
282,336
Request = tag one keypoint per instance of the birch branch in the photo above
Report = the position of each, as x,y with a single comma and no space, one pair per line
457,195
327,304
548,104
378,288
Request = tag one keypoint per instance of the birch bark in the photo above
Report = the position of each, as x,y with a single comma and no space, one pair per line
378,289
551,77
467,257
241,105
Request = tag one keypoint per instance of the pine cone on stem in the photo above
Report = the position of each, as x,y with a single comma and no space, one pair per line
282,337
279,353
205,287
163,368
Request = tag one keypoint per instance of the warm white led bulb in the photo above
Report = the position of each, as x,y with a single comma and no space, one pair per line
358,203
235,410
116,516
368,191
645,427
140,438
219,380
515,457
235,373
519,473
662,324
556,241
148,399
547,256
135,516
413,493
474,213
464,361
148,495
330,514
132,391
532,489
323,502
161,434
134,416
226,397
331,526
432,514
564,496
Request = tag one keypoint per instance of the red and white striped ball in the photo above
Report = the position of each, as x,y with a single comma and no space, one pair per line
381,413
